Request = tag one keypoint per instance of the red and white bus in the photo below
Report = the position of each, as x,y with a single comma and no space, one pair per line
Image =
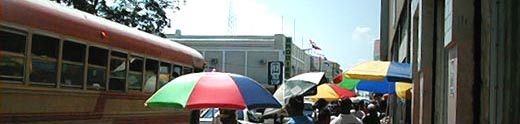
61,65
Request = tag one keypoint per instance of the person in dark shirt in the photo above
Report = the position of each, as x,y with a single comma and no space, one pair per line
295,110
373,115
323,112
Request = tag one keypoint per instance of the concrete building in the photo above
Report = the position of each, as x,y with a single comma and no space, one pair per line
248,55
464,56
331,69
377,49
321,64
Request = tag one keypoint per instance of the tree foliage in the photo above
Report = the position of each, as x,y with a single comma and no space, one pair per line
145,15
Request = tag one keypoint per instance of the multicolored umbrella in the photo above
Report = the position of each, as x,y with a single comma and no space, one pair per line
381,70
332,92
384,86
212,90
401,89
345,82
376,86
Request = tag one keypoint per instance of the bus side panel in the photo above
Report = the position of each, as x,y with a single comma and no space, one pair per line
20,104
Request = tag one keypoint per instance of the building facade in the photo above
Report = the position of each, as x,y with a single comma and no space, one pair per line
331,69
463,55
321,64
248,55
377,49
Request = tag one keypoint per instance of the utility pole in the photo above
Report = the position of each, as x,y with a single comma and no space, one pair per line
231,18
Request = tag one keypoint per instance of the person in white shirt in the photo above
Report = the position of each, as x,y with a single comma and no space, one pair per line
345,117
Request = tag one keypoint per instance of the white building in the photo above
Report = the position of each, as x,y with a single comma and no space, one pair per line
247,55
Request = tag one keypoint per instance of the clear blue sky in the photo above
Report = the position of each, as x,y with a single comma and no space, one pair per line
344,29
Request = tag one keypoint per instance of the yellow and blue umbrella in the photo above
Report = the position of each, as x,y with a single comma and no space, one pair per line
381,70
402,90
384,86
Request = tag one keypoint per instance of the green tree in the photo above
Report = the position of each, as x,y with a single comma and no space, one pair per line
145,15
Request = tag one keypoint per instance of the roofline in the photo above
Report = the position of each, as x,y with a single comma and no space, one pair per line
175,36
82,25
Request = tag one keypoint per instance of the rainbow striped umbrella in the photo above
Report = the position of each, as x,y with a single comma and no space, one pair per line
212,90
399,88
332,92
381,70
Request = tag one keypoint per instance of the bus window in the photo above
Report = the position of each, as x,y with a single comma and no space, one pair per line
117,71
196,70
187,70
44,52
97,66
73,64
164,73
151,70
135,76
177,71
13,55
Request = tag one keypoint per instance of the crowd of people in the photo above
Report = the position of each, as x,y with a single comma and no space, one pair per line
343,111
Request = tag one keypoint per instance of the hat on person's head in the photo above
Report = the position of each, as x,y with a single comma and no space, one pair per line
371,106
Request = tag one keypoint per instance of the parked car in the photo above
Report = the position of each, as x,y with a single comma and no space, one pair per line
244,116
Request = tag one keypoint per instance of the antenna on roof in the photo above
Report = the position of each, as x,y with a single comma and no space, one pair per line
231,18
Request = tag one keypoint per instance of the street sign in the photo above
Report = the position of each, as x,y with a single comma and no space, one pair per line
275,73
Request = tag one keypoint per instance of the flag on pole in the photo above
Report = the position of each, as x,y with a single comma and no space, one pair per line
314,46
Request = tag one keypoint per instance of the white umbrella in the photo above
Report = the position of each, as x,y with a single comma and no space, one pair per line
297,85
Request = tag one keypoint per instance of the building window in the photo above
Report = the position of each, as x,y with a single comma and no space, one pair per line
13,55
97,66
448,22
44,52
151,70
164,73
135,76
117,71
73,64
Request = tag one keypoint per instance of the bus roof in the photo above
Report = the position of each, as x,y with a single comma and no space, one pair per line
50,16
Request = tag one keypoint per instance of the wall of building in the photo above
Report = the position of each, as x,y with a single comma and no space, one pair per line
377,49
331,69
300,61
248,55
463,54
384,24
245,55
257,64
500,57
